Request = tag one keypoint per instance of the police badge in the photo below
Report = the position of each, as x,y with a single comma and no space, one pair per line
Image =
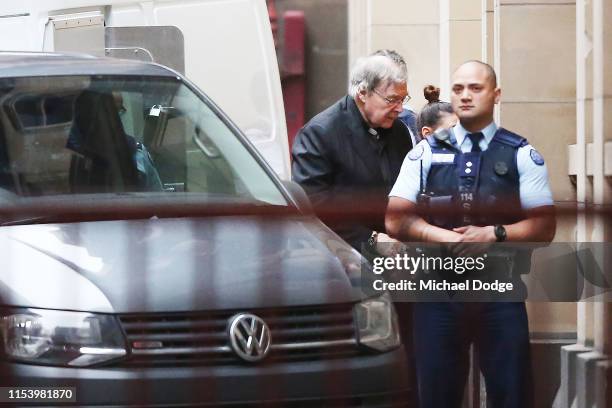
536,157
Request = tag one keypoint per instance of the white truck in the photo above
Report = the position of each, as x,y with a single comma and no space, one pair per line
224,46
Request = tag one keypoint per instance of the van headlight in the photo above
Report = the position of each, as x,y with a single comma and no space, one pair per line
377,323
64,338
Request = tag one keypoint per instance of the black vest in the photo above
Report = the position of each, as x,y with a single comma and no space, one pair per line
480,188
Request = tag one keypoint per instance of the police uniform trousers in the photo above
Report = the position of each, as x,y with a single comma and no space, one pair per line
443,332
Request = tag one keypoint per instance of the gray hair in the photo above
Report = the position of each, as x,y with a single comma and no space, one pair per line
383,66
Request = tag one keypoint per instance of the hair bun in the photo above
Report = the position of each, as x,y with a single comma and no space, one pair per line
432,94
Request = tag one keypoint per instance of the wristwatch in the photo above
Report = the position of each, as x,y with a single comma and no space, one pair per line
500,233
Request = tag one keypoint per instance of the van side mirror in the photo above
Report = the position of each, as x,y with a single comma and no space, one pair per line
299,196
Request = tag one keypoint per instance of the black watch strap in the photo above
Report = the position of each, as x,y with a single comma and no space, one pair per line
500,233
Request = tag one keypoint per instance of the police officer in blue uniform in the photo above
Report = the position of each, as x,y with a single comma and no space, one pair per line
471,169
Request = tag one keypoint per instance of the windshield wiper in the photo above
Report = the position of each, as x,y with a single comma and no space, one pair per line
25,221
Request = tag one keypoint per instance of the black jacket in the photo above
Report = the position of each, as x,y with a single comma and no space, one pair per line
344,169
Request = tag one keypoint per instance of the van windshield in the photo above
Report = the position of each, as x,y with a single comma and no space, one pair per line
107,134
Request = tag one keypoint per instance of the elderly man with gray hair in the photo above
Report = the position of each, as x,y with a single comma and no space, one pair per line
349,155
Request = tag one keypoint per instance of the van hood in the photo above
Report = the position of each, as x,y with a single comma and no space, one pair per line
165,265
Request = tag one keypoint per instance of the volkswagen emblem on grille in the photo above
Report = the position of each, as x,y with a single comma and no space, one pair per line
250,337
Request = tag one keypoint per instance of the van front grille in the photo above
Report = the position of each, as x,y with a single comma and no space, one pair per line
201,338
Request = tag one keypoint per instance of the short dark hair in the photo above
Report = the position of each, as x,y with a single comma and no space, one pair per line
490,70
431,113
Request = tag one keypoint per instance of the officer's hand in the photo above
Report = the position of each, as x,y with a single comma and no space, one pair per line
471,233
474,240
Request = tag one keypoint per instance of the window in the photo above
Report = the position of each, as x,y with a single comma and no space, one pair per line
91,135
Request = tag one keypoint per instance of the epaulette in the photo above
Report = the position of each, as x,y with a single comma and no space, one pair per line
508,138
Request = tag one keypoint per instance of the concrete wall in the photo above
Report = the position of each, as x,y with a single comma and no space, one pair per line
410,27
538,77
537,74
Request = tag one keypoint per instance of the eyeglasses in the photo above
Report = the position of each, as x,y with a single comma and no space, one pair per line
393,101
